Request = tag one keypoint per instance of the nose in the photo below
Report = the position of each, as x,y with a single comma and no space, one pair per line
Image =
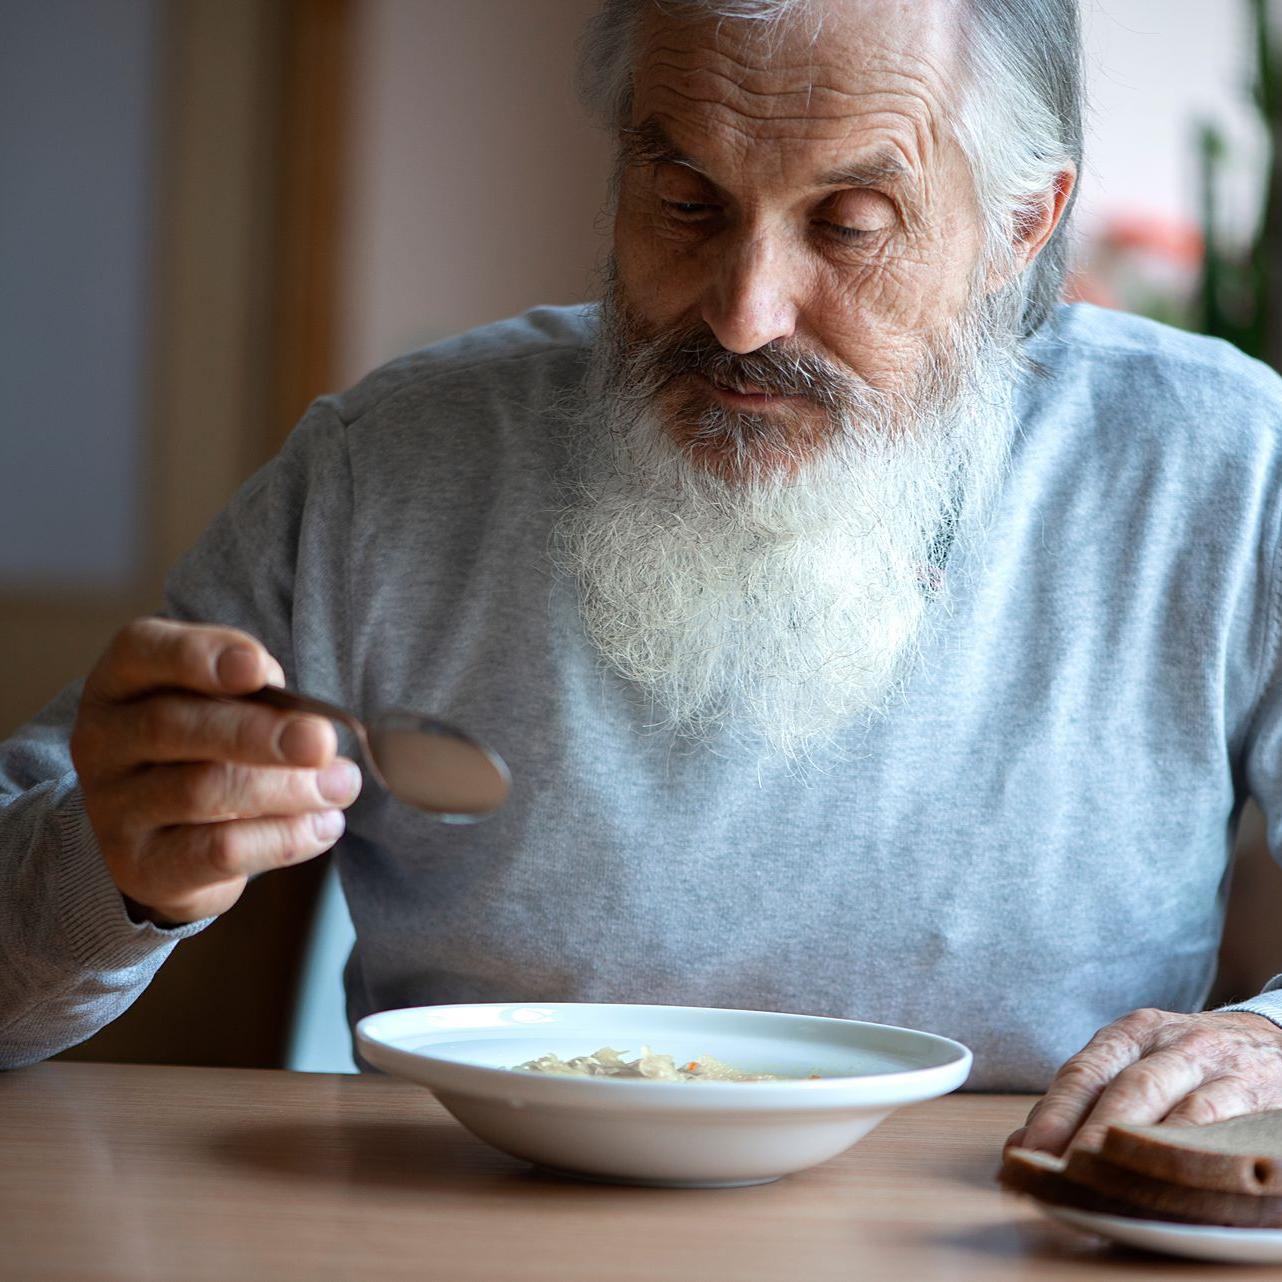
751,298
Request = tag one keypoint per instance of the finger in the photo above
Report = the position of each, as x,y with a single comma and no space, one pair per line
182,727
1142,1094
209,792
1016,1138
150,654
181,860
1215,1100
1079,1083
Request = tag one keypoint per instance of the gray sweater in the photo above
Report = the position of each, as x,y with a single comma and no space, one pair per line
1032,843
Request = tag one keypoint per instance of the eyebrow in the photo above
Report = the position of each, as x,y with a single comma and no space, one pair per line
648,144
882,168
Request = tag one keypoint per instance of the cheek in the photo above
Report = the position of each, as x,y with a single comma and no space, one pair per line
870,320
659,285
875,317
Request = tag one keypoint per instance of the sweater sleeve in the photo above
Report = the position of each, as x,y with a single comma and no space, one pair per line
1264,780
1262,754
71,958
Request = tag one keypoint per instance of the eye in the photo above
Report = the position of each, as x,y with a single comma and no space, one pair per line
855,215
685,197
688,210
843,233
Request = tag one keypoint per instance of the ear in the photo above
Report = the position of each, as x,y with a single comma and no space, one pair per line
1037,222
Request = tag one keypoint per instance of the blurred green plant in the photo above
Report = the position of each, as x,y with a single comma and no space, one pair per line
1241,288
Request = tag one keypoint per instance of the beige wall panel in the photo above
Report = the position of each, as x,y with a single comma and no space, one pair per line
475,179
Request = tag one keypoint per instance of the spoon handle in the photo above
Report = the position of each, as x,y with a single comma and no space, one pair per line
292,701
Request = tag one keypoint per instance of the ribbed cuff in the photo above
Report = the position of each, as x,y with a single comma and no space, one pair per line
1267,1003
97,928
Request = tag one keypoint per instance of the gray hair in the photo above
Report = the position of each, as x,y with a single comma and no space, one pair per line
1020,124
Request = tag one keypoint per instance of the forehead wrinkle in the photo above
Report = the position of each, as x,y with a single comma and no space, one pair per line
649,143
885,145
820,129
902,114
813,76
733,78
812,85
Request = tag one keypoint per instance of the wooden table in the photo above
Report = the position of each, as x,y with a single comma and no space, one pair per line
138,1172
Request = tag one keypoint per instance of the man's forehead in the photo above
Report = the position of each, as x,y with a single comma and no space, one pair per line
650,143
823,71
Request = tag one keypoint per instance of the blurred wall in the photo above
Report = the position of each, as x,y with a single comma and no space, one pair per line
75,235
474,180
1155,69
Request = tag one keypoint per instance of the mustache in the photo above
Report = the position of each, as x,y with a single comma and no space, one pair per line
781,369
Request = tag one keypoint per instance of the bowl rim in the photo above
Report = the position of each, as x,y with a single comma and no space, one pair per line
870,1090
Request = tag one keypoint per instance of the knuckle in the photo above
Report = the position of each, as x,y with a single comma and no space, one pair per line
1202,1041
1200,1110
1107,1039
224,849
135,637
1133,1033
203,790
1083,1070
239,790
1145,1078
124,641
1141,1021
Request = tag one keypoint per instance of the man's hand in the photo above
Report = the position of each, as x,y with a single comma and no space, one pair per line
190,791
1158,1066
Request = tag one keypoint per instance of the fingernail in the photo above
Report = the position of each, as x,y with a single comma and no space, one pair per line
1016,1137
238,667
328,824
275,673
339,782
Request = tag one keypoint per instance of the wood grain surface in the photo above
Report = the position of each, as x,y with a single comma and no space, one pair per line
139,1172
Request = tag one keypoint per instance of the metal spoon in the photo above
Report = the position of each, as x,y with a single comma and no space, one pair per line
421,761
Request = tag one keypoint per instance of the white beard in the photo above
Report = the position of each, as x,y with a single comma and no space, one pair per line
774,611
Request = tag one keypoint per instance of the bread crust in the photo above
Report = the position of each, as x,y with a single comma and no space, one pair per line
1025,1171
1089,1181
1240,1155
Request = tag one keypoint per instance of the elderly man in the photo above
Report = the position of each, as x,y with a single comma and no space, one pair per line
868,634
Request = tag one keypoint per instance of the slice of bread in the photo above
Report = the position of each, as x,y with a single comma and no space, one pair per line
1041,1176
1087,1180
1241,1155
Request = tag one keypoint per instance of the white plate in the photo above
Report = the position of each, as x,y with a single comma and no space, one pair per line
1202,1241
688,1134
